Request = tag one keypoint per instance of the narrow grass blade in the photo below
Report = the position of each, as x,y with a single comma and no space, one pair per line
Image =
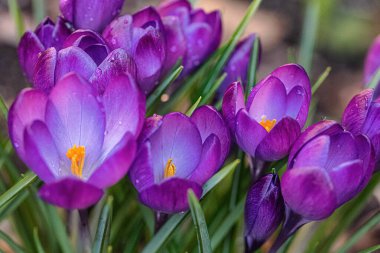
213,89
14,246
320,80
3,108
16,189
200,224
360,232
231,44
375,80
370,250
227,224
167,229
193,107
38,10
37,241
253,62
13,205
163,86
103,231
309,33
15,11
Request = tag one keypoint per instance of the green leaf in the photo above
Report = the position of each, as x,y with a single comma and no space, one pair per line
227,224
204,245
375,80
211,93
14,246
231,44
253,62
3,108
18,188
37,241
103,231
370,250
167,229
15,11
163,86
320,80
13,205
360,232
38,10
309,33
193,107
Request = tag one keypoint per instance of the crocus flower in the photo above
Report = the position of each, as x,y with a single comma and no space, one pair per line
94,15
362,116
142,37
47,34
264,211
77,140
276,110
372,64
238,64
178,153
203,31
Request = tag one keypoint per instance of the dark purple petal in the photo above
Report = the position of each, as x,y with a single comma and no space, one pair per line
292,75
28,51
41,154
52,35
346,179
356,111
94,15
119,33
314,153
372,61
44,72
117,63
343,148
209,162
309,192
277,143
151,125
116,163
170,196
75,117
233,101
175,8
147,16
71,193
214,20
249,133
76,60
178,139
371,125
209,121
297,105
367,155
268,99
124,106
327,127
29,106
141,172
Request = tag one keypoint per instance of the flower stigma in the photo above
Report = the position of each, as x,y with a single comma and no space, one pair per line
77,154
266,123
170,169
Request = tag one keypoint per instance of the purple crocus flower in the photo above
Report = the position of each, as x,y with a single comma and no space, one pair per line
142,37
238,64
47,34
362,116
372,64
94,15
264,211
274,114
77,140
178,153
202,31
327,166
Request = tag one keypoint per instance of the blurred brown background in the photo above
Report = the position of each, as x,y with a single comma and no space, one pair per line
345,30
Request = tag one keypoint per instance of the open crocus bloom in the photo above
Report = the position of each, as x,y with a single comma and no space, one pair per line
178,153
47,34
372,64
327,167
274,114
202,31
75,139
94,14
362,116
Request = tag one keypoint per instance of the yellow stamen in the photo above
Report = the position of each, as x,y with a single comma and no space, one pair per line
77,154
170,169
266,123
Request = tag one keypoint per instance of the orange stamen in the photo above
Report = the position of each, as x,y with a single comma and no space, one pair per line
267,124
170,169
77,154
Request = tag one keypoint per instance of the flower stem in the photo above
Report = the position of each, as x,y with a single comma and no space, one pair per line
161,218
84,229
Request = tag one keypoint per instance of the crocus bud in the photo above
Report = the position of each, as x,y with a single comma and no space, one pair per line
94,15
47,34
238,64
203,31
264,211
361,116
274,114
372,64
